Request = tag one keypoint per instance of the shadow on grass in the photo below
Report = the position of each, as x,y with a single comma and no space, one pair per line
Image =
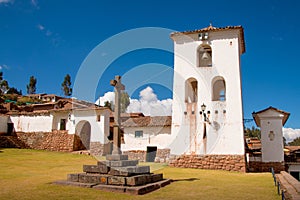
186,179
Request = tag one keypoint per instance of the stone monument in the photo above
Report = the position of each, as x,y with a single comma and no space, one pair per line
117,173
117,133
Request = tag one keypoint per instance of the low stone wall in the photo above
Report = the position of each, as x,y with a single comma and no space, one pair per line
255,166
162,155
96,149
53,141
12,142
136,155
215,162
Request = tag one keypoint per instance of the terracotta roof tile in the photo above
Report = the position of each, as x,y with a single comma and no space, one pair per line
148,121
292,148
210,28
284,119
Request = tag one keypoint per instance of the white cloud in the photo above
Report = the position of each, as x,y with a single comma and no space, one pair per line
148,104
3,66
108,96
35,3
6,1
40,27
54,37
290,134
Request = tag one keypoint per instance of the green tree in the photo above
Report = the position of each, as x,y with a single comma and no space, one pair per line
253,132
295,142
66,86
3,84
31,87
14,90
125,101
4,87
108,105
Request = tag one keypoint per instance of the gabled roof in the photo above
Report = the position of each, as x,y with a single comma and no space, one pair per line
292,148
284,119
148,121
63,105
128,115
75,104
210,28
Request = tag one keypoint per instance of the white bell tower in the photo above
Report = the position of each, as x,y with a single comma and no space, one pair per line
207,114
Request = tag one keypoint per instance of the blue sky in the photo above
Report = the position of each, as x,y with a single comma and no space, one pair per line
48,39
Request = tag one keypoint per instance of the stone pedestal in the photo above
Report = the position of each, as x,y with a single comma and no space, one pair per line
117,174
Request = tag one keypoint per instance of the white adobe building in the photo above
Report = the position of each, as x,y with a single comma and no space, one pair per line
71,116
207,113
147,137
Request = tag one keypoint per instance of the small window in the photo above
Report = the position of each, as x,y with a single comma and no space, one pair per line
138,134
63,124
98,118
219,90
191,90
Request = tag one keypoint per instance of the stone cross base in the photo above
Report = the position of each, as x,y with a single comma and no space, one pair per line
117,174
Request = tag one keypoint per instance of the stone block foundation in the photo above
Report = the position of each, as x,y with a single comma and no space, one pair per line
162,155
57,140
53,141
97,149
214,162
121,175
255,166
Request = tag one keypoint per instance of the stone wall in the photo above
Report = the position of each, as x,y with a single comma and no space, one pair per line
53,141
96,149
162,155
215,162
136,155
12,142
255,166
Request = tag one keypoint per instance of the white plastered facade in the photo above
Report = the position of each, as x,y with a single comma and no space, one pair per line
98,121
222,133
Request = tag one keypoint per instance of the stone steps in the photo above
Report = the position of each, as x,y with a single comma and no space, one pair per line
117,174
135,190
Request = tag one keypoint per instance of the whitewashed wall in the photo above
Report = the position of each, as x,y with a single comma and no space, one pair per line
50,122
272,150
228,137
152,136
57,116
32,123
99,130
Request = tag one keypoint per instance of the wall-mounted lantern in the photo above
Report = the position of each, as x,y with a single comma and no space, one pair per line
205,115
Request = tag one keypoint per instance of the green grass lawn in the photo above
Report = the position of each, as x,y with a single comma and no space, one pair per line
28,174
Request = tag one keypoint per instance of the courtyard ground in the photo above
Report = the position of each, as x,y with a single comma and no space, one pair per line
28,174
